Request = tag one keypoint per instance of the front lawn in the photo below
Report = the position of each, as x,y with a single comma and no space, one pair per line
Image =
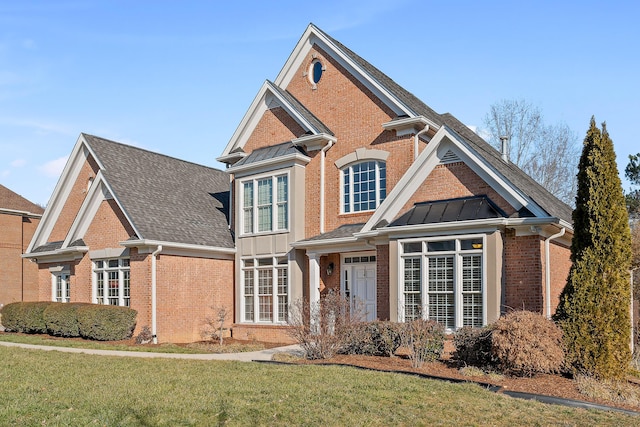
51,388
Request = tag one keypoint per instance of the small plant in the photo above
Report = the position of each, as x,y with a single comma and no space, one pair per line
611,390
145,336
424,339
324,329
526,343
377,338
214,326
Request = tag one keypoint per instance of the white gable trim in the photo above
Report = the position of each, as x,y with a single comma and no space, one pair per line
314,35
78,156
446,140
98,192
268,97
145,246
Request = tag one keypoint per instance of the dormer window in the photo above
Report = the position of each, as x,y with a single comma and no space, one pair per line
364,186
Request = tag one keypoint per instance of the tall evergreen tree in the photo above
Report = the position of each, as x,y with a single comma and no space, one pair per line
594,307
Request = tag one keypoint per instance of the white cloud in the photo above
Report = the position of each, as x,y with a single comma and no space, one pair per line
5,172
54,168
18,163
42,127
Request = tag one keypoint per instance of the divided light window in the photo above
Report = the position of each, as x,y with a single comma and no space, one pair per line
265,204
113,282
61,287
364,186
443,280
265,289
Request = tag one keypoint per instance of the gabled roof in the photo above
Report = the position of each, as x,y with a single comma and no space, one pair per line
15,202
166,199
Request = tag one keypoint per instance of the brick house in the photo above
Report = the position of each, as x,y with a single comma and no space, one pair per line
18,221
338,178
129,227
344,180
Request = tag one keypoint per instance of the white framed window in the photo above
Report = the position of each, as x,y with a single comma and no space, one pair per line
443,279
112,278
265,204
265,290
364,186
61,287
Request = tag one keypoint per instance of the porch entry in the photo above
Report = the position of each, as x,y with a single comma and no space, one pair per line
359,282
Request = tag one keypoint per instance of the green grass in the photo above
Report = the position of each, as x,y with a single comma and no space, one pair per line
51,388
195,348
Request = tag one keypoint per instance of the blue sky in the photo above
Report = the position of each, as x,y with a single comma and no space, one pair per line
177,77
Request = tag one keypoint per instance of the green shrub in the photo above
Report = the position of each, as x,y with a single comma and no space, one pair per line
25,317
62,320
12,317
106,322
526,343
473,346
378,338
424,339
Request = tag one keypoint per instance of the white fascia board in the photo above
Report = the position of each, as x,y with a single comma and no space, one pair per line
443,141
61,192
146,246
324,247
252,117
59,255
19,213
409,125
312,36
269,164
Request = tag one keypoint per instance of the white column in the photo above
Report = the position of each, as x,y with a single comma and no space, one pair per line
314,280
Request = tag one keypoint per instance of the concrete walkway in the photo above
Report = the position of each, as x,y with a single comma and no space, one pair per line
249,356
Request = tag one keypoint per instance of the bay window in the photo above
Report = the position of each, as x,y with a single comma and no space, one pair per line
443,280
265,204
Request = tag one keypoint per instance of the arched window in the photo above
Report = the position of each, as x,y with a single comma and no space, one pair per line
364,186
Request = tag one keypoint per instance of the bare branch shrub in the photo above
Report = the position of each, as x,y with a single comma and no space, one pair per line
424,339
213,327
324,329
378,338
526,343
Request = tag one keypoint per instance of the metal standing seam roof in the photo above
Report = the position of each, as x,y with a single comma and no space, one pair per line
344,231
167,199
270,152
460,209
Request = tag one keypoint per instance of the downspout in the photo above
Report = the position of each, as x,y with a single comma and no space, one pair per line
323,156
154,329
415,141
548,268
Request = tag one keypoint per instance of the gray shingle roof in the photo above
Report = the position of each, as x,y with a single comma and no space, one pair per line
341,232
14,201
167,199
270,152
551,204
308,115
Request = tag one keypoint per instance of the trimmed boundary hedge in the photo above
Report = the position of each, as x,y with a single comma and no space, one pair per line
89,321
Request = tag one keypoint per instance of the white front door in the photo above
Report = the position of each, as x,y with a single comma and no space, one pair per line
360,286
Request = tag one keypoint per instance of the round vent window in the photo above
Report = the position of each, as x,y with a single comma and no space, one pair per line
316,71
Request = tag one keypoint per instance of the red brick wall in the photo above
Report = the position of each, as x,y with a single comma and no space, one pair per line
188,291
18,277
455,180
264,333
74,201
274,127
560,260
524,257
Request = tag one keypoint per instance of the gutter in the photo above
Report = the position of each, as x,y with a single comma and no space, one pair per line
416,139
154,329
323,154
547,268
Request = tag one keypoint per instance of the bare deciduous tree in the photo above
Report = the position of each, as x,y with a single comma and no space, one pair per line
548,153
